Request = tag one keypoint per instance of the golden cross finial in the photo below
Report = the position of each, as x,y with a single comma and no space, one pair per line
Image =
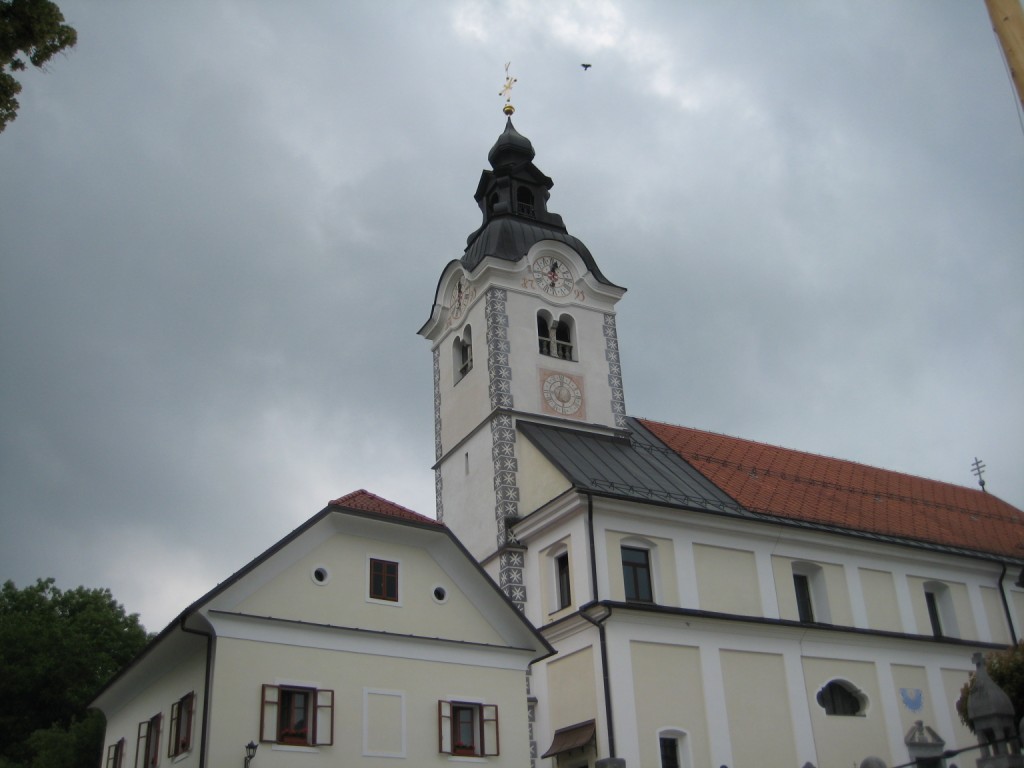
506,90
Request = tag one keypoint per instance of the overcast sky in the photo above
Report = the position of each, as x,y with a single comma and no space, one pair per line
222,223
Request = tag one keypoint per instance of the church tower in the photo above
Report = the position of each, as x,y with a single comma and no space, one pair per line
522,329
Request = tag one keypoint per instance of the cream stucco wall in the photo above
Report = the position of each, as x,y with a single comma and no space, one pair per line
995,615
669,694
342,601
414,688
546,482
760,723
952,682
727,580
841,740
880,603
913,696
467,477
572,688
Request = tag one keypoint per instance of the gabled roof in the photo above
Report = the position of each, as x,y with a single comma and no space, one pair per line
364,501
818,490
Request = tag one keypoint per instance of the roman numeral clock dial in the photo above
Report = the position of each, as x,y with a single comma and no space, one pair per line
553,276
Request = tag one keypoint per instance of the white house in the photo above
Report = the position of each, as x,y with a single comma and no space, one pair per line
713,601
367,636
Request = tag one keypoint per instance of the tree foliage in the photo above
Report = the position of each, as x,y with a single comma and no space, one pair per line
57,649
1006,668
32,30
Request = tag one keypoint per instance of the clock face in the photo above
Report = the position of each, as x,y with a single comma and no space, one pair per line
562,394
460,297
552,276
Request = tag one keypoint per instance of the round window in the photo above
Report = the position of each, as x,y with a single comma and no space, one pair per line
320,575
440,594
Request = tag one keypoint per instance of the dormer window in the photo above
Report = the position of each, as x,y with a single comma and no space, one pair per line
524,202
555,338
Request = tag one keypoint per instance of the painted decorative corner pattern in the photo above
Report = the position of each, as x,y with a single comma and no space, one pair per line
611,354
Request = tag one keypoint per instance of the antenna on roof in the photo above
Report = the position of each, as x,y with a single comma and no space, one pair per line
978,469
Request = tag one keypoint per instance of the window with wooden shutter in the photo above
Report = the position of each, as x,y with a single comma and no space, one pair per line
180,739
147,747
295,715
115,755
465,728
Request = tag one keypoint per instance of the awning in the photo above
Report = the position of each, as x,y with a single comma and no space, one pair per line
571,737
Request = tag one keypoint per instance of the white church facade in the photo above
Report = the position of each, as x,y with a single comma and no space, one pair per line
597,590
713,601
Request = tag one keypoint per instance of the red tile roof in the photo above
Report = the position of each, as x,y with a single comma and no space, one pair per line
369,502
817,489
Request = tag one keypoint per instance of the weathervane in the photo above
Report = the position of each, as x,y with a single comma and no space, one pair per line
506,91
978,469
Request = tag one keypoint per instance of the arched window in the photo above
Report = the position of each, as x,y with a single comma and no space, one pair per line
840,697
556,338
544,332
462,355
524,202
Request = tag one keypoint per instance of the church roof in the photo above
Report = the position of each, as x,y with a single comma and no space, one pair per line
510,237
818,490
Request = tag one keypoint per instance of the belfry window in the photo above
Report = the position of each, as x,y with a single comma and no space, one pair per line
462,355
524,202
556,338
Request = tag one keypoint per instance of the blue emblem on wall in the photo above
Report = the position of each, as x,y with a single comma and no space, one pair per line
913,698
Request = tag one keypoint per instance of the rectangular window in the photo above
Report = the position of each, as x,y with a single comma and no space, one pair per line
933,613
669,752
562,575
804,606
180,740
636,574
464,728
297,715
383,580
115,755
147,748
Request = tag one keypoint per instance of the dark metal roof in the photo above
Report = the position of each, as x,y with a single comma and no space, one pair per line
638,466
633,466
510,237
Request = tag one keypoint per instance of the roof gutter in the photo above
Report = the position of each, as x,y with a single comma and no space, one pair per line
206,688
605,674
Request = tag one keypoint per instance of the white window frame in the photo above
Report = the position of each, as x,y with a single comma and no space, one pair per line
942,598
319,711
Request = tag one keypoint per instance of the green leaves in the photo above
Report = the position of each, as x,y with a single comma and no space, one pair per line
34,29
57,649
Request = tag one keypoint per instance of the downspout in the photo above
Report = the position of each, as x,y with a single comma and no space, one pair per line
206,688
600,630
1006,607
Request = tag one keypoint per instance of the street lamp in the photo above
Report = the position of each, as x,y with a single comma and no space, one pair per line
250,752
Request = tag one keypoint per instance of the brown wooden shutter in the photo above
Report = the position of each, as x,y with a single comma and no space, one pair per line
323,721
444,727
489,744
268,713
